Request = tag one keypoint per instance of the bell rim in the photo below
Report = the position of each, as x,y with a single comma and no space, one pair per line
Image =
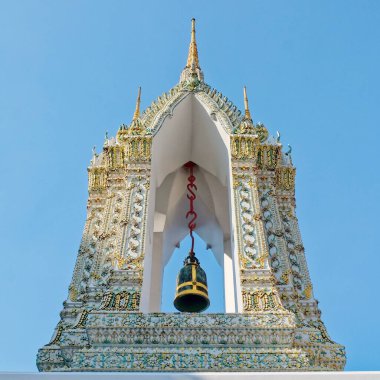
192,291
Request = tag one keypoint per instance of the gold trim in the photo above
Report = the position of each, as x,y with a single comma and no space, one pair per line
193,284
193,291
193,273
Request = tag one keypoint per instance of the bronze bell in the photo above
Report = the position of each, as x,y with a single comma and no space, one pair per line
192,292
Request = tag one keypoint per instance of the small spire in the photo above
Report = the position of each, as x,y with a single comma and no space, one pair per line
94,155
136,115
192,58
246,106
136,127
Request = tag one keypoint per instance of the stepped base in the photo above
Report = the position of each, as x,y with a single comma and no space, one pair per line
117,341
183,359
195,376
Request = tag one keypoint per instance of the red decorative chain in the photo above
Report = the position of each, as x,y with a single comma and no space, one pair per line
191,186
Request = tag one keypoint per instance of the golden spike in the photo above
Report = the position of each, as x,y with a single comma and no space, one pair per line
192,58
246,106
137,110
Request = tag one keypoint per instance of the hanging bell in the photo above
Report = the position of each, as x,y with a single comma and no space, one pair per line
192,292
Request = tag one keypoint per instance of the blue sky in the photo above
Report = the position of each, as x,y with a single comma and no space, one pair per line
69,71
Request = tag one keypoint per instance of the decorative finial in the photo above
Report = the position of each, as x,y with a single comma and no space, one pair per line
192,70
137,110
105,144
246,106
192,58
136,127
94,155
289,152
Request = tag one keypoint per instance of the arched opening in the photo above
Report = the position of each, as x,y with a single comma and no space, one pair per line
190,134
209,264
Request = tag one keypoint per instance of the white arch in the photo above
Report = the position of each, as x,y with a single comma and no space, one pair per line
190,134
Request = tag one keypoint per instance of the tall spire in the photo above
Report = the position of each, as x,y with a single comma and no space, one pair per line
247,114
137,110
192,68
192,58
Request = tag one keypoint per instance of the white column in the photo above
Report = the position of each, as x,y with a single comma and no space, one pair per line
229,292
156,274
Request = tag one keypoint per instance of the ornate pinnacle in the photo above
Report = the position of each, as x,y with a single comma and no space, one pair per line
136,127
137,110
192,72
247,115
192,58
247,127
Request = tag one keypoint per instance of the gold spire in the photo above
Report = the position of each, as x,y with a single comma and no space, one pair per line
192,58
246,106
136,115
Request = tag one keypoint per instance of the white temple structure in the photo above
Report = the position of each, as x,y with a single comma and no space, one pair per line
111,320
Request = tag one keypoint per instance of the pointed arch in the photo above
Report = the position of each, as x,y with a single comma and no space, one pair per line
190,134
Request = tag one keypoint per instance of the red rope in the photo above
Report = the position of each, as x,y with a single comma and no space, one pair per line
191,186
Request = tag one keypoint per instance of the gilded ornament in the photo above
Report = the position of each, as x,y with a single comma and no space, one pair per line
308,291
97,178
115,157
58,335
251,183
261,300
285,277
82,320
126,300
285,178
73,293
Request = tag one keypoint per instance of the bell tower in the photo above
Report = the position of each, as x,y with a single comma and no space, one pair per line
136,215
